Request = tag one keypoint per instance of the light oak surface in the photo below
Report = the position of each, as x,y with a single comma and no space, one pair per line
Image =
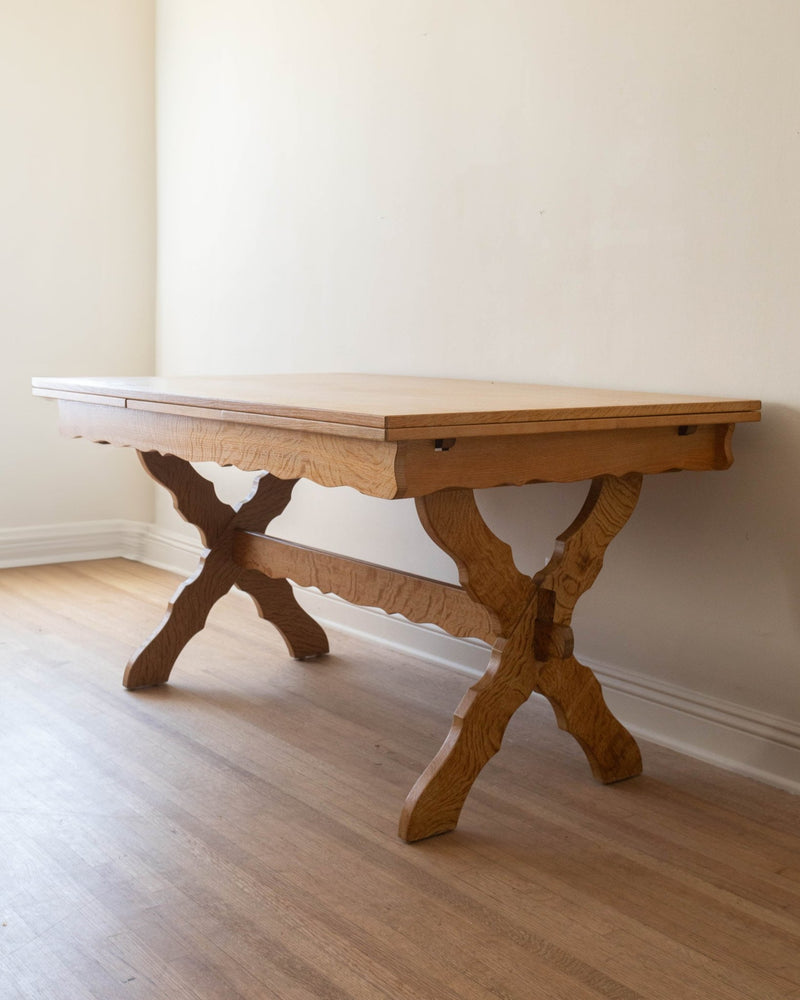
392,436
533,654
195,499
397,469
417,598
230,838
396,403
384,436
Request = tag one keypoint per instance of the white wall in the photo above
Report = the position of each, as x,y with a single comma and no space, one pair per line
77,243
590,193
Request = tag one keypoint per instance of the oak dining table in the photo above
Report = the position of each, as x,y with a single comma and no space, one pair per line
435,441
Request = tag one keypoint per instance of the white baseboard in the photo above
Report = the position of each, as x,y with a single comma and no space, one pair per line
730,736
735,737
53,543
170,550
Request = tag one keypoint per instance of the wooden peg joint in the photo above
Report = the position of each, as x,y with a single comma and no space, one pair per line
552,641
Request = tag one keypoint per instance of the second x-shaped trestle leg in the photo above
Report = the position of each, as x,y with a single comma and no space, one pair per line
534,654
196,501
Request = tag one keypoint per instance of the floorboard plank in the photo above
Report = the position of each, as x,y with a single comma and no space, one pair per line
231,835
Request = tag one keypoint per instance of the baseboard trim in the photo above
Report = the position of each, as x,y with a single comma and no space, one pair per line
72,542
170,551
734,737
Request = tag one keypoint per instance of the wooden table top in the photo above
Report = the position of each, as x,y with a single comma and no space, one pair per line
396,407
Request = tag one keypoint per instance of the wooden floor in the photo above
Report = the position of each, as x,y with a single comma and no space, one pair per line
232,834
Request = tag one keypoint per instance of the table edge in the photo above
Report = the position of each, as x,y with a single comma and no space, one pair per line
415,426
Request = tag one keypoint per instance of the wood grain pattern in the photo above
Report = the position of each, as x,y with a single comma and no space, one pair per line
232,837
580,550
392,402
194,498
368,466
186,615
276,603
481,463
392,428
485,563
434,804
571,688
417,598
259,419
536,427
576,698
407,468
334,430
523,662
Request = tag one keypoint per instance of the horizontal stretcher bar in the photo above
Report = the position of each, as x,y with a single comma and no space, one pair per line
417,598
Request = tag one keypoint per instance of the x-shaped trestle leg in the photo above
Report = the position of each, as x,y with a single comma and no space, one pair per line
534,653
196,501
